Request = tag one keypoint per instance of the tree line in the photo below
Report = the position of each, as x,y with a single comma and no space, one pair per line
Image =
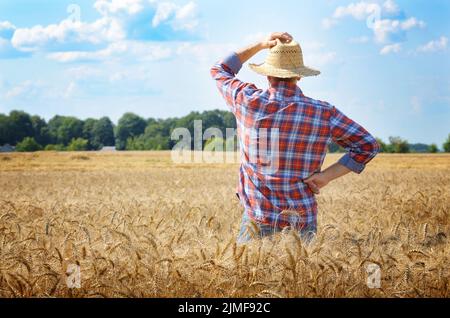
133,132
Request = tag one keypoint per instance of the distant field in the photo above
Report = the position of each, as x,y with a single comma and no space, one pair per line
139,225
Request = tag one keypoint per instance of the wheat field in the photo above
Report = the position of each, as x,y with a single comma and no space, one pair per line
138,225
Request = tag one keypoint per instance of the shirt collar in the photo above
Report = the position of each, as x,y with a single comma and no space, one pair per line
288,87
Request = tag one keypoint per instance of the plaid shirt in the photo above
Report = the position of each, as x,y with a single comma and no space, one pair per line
305,129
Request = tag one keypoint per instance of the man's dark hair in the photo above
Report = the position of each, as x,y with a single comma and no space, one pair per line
292,79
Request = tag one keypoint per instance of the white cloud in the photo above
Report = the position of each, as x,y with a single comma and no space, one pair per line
359,40
82,72
163,12
139,75
434,46
148,51
131,7
7,30
411,23
141,51
15,91
6,26
392,48
358,11
75,40
378,17
186,17
391,7
68,32
328,23
32,89
74,56
180,17
362,10
25,89
187,11
70,90
383,29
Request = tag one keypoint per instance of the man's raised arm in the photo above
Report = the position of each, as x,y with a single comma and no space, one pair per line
234,91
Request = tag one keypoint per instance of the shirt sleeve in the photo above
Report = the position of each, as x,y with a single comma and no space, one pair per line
361,146
235,92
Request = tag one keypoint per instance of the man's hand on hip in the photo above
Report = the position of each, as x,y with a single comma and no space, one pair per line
319,180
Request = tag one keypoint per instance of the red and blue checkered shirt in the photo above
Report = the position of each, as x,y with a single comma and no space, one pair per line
305,128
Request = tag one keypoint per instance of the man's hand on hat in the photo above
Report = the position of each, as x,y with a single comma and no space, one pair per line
271,40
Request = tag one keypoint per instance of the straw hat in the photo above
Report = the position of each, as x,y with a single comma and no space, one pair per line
285,60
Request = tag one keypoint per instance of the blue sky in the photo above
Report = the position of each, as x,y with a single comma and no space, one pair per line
385,63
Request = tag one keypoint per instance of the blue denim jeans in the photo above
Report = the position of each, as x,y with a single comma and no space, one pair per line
250,230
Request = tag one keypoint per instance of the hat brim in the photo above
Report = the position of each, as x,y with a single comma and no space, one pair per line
269,70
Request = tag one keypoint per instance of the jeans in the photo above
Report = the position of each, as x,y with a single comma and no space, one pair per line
250,230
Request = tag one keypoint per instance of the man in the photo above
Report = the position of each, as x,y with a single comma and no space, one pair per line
274,199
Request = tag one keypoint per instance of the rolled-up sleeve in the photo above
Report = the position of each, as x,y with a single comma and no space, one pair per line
234,91
361,146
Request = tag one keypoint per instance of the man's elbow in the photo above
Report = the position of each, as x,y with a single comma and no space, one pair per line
376,147
214,71
373,148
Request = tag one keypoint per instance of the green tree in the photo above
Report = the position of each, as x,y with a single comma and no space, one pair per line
398,145
53,126
229,120
88,127
212,119
28,144
103,133
209,119
63,129
21,126
157,128
446,144
40,130
6,131
129,126
156,136
188,122
18,125
143,142
433,148
71,128
383,146
78,144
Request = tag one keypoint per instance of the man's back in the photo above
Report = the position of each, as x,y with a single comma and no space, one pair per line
292,132
302,126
